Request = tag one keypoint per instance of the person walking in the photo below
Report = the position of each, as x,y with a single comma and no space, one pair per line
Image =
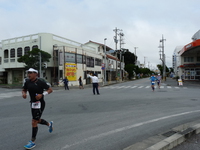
36,87
158,80
95,83
66,81
153,79
80,83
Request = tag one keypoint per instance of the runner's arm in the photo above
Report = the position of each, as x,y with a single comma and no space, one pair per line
24,93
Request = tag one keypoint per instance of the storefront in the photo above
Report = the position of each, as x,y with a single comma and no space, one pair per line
190,61
191,74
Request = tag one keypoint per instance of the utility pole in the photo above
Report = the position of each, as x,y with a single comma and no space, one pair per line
105,61
116,41
144,61
121,42
40,66
135,56
163,57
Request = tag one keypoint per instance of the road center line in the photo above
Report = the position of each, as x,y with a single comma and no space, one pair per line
126,128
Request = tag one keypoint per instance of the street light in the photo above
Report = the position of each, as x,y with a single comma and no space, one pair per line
105,61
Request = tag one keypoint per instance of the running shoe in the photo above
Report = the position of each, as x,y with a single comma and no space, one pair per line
30,145
51,126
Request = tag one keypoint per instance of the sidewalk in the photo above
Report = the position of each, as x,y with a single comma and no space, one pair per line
173,82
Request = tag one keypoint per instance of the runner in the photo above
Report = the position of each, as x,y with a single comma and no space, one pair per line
158,80
36,88
153,80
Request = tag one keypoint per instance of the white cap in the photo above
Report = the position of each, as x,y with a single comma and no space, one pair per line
32,70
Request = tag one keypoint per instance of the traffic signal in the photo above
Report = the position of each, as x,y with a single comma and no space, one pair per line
45,65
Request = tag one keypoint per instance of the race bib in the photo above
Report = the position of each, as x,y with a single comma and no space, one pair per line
36,105
153,82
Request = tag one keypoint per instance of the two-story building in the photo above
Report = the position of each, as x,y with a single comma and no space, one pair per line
186,59
69,59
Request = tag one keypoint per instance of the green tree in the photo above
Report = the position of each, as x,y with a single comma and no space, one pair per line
32,59
129,58
130,68
160,67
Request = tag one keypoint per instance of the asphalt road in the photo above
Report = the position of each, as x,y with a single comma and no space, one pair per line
123,114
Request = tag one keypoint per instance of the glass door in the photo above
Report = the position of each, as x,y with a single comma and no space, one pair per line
187,74
192,75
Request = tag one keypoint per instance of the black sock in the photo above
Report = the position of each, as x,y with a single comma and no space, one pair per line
34,133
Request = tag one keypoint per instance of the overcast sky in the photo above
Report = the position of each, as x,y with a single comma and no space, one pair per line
143,22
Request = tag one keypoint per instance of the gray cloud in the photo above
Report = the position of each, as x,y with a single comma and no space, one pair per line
143,22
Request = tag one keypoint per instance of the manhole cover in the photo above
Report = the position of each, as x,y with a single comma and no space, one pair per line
169,133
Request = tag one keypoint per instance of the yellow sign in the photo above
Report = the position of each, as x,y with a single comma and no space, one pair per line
180,82
70,71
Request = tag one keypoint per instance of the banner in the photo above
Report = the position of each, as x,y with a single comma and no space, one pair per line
70,71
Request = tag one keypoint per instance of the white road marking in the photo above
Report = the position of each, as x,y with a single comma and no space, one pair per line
133,86
10,94
126,128
127,86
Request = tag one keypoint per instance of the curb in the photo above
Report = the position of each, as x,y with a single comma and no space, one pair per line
175,139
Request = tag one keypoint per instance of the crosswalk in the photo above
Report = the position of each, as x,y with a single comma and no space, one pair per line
10,94
141,86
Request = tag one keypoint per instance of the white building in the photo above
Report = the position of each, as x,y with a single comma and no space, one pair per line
78,60
111,63
186,60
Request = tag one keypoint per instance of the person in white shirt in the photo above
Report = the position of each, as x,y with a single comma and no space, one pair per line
95,82
158,80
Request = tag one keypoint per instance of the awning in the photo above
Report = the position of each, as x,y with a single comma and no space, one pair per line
192,47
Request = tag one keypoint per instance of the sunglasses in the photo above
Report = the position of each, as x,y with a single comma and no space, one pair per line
30,72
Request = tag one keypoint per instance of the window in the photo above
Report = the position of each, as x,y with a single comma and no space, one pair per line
84,59
188,59
70,57
90,61
26,50
19,52
79,58
34,46
198,58
97,62
6,53
12,53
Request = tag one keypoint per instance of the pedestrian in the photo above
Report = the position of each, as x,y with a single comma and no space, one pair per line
66,81
153,79
182,77
95,83
36,87
80,83
158,80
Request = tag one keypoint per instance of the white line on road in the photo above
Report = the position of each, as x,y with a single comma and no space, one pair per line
127,86
127,128
133,86
140,87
